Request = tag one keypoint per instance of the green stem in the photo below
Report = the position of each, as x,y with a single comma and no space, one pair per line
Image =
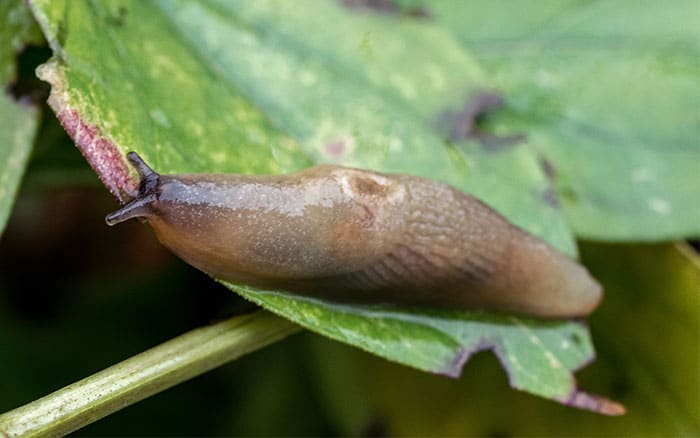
143,375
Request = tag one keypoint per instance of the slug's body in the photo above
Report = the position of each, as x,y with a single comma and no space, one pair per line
353,235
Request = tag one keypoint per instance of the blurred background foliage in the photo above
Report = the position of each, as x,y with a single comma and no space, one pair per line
76,297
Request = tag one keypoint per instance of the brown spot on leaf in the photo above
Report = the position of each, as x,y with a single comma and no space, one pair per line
497,143
464,124
549,171
550,197
336,148
387,7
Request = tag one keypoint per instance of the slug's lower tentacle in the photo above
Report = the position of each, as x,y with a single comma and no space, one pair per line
138,208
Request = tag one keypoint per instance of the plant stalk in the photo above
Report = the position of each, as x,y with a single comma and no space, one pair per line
143,375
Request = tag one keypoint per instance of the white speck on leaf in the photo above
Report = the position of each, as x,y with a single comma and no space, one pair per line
659,205
553,361
395,144
546,80
435,76
218,157
404,85
641,174
159,117
307,78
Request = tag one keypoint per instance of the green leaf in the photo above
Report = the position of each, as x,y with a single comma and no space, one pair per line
268,87
18,120
539,356
18,29
365,91
380,114
648,342
608,93
18,123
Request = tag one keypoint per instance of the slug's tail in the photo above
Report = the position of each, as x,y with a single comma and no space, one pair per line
147,192
555,285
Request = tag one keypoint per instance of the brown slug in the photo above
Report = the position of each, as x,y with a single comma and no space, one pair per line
355,235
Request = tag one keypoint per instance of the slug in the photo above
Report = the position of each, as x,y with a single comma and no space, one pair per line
360,236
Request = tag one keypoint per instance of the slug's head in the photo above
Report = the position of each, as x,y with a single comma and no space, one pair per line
148,193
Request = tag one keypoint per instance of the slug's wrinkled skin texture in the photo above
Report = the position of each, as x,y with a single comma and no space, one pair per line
360,236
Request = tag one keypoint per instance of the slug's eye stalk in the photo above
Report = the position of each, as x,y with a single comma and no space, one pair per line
149,177
147,192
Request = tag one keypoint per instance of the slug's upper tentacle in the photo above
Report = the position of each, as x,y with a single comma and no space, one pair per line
149,177
148,186
141,167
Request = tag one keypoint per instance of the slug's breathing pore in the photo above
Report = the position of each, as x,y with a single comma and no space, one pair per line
354,235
